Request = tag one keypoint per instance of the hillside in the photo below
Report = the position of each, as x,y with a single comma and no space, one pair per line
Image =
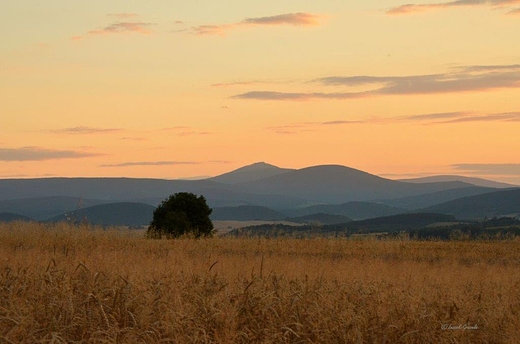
112,214
452,178
430,199
352,210
320,219
499,203
259,170
246,213
340,184
291,192
10,217
388,224
43,208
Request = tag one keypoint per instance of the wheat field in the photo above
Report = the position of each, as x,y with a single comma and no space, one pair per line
61,284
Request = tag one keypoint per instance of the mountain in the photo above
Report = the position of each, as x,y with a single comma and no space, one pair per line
340,184
320,219
281,190
352,210
498,203
427,200
246,213
451,178
111,214
259,170
10,217
43,208
150,191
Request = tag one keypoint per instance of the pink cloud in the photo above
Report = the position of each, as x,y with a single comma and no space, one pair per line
291,19
124,27
124,15
416,8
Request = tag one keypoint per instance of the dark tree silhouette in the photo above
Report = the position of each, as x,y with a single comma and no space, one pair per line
181,214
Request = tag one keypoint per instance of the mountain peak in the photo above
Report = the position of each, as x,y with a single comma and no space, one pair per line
255,171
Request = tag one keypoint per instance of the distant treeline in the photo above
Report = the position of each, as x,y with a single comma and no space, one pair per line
412,226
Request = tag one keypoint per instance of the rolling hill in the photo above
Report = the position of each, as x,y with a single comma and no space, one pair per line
498,203
256,171
317,189
352,210
452,178
340,184
430,199
320,219
246,213
10,217
111,214
43,208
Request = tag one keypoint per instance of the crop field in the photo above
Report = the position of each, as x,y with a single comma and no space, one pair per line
62,284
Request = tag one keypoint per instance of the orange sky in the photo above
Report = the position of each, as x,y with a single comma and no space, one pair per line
171,89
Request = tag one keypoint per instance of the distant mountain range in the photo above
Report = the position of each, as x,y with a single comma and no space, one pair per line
469,180
259,192
494,204
112,214
259,170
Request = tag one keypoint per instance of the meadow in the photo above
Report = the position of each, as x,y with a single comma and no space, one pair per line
63,284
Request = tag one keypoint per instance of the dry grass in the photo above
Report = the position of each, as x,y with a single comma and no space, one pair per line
66,285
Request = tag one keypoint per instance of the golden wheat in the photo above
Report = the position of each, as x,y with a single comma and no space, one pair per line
62,284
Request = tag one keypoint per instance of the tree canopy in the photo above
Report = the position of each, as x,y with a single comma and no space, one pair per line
181,214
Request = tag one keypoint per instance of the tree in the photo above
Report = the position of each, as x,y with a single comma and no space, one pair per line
180,214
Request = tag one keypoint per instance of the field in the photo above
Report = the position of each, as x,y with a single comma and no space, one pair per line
60,284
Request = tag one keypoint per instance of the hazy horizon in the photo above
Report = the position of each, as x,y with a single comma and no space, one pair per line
177,90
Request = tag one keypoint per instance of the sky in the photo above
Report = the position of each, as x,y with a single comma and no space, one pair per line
184,89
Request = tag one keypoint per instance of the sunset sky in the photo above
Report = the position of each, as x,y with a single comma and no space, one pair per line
176,89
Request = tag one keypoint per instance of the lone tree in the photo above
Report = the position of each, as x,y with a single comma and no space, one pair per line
180,214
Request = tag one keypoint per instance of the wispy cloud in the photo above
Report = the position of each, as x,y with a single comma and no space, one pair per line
152,163
514,12
165,163
84,130
443,116
123,15
458,80
124,27
129,138
296,19
186,131
120,27
289,19
428,119
40,154
416,8
236,83
489,169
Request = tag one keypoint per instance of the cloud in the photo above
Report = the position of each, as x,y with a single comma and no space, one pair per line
416,8
164,163
514,12
40,154
152,163
186,131
296,19
489,169
134,138
290,19
123,15
434,116
458,80
238,83
84,130
429,119
497,117
124,27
